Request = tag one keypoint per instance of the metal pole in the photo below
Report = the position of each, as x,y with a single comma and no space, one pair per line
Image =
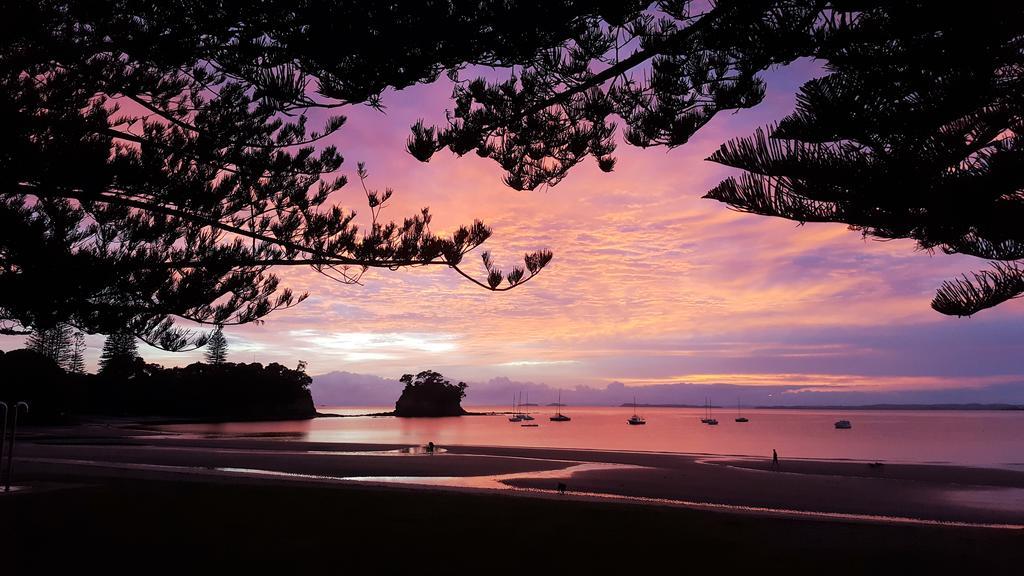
10,453
3,439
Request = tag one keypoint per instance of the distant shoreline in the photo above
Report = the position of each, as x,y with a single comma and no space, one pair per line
393,414
848,407
894,407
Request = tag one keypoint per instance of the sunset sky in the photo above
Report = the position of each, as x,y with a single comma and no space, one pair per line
650,284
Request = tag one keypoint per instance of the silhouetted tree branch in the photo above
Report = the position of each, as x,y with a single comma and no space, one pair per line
686,62
915,133
159,158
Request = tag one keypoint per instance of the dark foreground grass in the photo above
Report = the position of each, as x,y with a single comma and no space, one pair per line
148,527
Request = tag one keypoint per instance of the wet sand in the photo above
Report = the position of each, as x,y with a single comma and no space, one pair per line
122,525
741,486
118,498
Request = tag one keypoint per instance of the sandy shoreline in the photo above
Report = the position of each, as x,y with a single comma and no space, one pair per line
120,497
841,488
171,526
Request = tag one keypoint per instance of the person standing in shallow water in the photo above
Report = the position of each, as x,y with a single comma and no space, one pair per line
775,459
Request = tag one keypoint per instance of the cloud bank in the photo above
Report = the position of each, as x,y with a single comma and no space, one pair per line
348,389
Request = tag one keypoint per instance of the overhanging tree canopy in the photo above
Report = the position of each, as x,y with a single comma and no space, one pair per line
664,68
158,157
914,133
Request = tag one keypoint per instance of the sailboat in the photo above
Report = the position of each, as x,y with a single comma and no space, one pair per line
739,415
516,416
526,415
635,420
707,417
559,417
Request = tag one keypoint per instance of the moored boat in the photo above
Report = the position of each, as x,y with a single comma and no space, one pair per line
739,413
526,414
516,416
707,419
559,417
635,420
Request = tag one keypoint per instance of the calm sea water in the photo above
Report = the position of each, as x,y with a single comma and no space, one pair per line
989,438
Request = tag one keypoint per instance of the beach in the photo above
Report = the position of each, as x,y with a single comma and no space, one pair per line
262,311
82,476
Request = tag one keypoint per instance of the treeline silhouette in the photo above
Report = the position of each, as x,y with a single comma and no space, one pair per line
226,391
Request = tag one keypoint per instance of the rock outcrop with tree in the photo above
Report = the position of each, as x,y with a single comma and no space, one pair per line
429,394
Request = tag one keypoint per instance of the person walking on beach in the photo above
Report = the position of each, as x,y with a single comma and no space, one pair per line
775,459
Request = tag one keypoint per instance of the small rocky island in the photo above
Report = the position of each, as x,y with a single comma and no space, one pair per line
429,395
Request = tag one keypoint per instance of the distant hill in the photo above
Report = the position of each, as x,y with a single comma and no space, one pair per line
341,388
902,407
630,405
350,389
848,407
